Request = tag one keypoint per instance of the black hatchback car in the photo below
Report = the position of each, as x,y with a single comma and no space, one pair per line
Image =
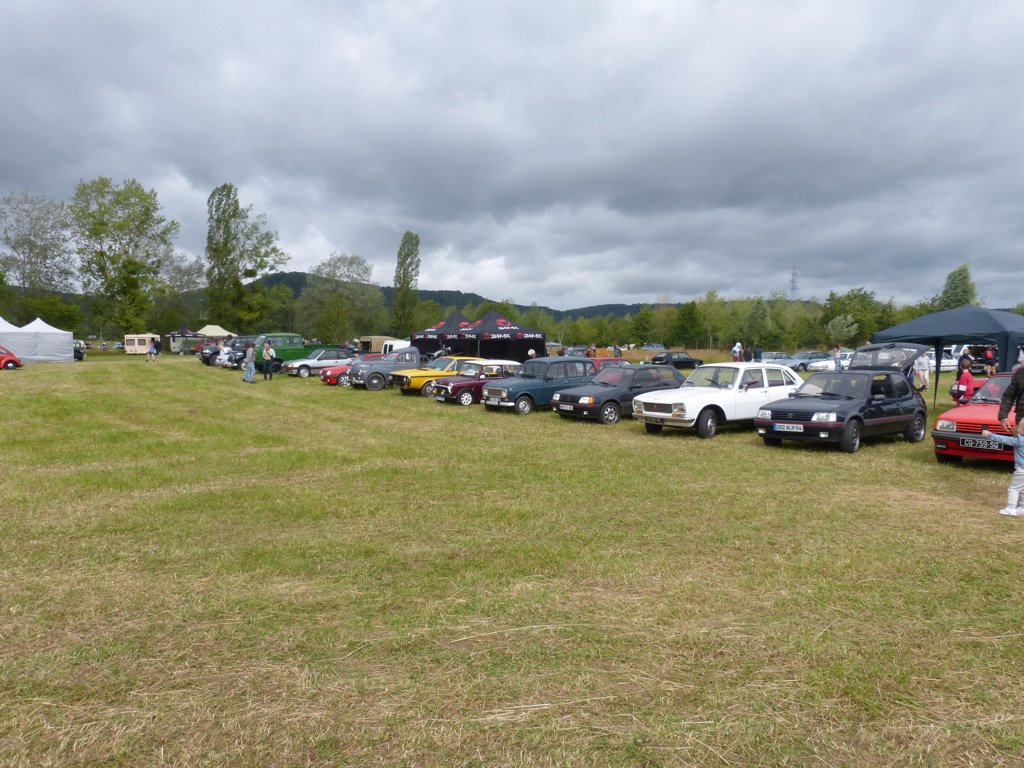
677,359
610,394
872,397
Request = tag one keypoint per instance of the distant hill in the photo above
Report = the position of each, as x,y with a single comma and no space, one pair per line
458,299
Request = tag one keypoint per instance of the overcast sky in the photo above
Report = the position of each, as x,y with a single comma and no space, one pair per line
567,152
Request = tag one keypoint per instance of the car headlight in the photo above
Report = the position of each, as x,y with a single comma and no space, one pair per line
946,425
556,397
638,406
586,401
679,408
764,413
829,417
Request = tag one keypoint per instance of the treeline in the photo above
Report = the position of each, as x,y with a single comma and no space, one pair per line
112,241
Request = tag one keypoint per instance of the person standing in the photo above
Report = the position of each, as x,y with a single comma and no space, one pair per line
748,354
150,351
249,377
757,353
268,361
922,369
837,357
1013,399
158,347
737,352
1015,493
991,363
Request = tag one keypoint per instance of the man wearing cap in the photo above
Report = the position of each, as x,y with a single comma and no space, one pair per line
531,354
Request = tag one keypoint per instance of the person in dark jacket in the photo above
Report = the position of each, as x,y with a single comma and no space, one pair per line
1013,397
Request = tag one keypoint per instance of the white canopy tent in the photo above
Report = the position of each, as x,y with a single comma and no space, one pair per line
38,342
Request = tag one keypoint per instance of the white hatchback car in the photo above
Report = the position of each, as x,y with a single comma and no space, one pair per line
716,394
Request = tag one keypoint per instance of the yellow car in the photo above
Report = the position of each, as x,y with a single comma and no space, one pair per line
421,380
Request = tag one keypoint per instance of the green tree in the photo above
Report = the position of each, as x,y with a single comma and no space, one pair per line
840,329
643,326
339,300
760,327
506,308
35,245
958,291
239,250
121,236
407,275
688,326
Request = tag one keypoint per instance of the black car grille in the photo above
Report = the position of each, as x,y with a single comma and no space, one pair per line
568,398
442,389
658,407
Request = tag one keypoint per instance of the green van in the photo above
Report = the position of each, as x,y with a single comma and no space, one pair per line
287,346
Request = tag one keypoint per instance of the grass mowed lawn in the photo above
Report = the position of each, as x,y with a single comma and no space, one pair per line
196,571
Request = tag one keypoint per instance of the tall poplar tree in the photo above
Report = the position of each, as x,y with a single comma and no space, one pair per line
237,250
407,275
958,291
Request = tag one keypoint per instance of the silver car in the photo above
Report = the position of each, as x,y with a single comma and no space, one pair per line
321,358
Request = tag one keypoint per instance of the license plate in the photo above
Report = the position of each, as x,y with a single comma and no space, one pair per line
492,401
974,442
439,398
565,407
655,421
789,427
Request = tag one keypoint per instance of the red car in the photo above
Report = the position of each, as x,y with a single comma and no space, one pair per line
465,388
8,359
338,374
957,432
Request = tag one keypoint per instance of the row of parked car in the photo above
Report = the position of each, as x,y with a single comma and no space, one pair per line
871,397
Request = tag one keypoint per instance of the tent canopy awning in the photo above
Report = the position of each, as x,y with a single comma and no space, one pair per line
214,332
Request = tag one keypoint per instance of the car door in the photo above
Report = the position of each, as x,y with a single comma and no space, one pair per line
884,411
556,377
751,393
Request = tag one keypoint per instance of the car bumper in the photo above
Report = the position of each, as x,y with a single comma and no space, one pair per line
495,402
577,410
665,419
970,445
806,431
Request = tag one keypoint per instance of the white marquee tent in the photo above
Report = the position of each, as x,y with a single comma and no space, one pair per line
38,342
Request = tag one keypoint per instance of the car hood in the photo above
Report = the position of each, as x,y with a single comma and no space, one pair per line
977,412
683,394
809,405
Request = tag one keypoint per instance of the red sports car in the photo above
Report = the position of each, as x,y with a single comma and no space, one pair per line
338,374
8,359
957,432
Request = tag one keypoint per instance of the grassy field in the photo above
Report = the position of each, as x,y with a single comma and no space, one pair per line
196,571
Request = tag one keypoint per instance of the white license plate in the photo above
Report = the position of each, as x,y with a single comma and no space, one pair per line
565,407
655,421
439,398
974,442
492,401
789,427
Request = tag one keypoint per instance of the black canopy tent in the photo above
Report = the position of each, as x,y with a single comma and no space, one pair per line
963,325
495,336
432,339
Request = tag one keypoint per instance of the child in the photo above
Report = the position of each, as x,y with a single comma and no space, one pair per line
1015,493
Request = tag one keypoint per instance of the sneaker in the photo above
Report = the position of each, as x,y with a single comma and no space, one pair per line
1012,512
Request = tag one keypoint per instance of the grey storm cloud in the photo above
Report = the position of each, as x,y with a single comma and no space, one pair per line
569,154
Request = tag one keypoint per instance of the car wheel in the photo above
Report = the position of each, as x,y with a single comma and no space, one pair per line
653,429
427,390
916,431
772,442
851,436
610,413
304,372
10,365
465,397
376,383
342,381
523,405
707,423
948,458
277,366
801,367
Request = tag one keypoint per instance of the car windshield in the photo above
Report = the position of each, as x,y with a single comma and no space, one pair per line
849,386
712,376
441,364
992,391
471,369
613,377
